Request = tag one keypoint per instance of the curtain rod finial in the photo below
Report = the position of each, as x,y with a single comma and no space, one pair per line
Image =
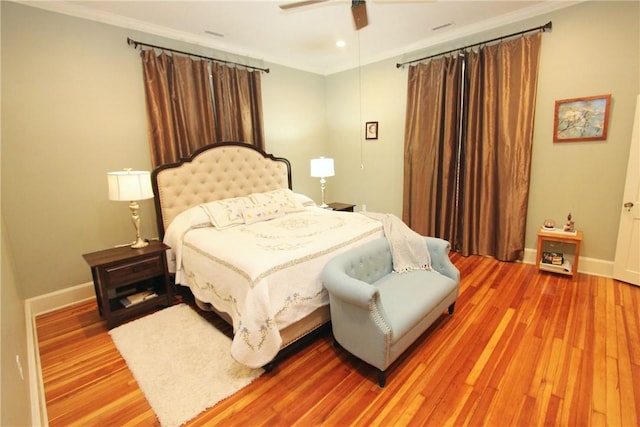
131,42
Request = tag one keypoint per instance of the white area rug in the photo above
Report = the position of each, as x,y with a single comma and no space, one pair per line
181,362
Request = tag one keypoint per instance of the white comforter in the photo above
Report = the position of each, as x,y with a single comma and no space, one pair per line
265,275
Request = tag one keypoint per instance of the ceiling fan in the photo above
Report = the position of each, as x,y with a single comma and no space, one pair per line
358,10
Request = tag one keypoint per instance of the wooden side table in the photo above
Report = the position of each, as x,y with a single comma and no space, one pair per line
564,245
121,272
343,207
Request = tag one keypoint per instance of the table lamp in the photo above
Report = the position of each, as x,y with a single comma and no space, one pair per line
322,168
130,186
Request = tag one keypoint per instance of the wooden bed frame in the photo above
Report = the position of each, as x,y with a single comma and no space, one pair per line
220,171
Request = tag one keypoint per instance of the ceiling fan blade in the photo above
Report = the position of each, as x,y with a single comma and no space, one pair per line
302,3
359,12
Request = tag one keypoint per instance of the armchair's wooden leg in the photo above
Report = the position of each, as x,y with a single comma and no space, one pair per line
382,379
452,307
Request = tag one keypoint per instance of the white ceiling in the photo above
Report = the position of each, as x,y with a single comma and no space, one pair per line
305,37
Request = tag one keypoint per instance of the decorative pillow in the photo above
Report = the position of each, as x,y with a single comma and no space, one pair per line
227,212
262,212
283,197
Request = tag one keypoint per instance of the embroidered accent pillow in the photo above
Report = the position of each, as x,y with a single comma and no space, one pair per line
262,212
283,197
227,212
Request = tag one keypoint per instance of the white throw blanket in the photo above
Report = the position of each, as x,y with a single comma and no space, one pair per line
408,249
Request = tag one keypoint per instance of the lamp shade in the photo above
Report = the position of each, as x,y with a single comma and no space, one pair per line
322,167
128,185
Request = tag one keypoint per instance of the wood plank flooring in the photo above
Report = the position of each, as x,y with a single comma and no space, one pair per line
524,348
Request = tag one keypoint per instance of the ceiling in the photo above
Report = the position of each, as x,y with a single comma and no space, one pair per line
305,37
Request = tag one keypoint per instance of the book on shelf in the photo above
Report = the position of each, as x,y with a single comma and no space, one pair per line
554,258
137,298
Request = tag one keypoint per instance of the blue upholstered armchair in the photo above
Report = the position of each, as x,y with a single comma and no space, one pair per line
377,314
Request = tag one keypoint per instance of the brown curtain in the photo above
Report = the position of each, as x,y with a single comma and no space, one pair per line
485,212
496,153
431,144
237,104
183,114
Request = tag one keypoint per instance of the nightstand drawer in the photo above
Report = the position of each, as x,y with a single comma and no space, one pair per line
123,274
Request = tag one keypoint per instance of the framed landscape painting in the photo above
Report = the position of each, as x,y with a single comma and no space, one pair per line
581,119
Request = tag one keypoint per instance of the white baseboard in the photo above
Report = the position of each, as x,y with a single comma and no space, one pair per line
32,308
61,298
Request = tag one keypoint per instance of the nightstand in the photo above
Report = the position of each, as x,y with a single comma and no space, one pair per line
121,273
559,252
344,207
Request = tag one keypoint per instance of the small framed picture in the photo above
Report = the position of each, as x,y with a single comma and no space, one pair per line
371,130
581,119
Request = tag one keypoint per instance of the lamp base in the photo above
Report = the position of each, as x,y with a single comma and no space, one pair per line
322,188
139,243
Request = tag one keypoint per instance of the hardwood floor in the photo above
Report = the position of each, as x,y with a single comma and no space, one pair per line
523,349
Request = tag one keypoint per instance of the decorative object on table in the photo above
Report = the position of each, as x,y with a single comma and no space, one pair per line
322,168
131,186
549,224
581,119
371,130
570,225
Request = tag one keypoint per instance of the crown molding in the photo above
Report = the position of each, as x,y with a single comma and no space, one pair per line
406,53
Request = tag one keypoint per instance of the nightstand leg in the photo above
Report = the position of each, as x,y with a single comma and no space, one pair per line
96,288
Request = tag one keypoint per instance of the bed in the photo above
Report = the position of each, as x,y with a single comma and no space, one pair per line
248,247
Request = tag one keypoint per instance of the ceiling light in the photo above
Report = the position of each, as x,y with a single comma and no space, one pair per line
341,43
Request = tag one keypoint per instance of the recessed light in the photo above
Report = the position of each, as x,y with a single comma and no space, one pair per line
341,43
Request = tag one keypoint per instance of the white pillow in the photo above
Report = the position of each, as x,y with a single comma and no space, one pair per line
227,212
283,197
191,218
304,199
262,212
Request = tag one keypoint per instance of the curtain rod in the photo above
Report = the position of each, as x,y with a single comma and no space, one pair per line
136,44
546,27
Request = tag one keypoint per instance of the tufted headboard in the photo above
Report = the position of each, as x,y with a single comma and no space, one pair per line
214,172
